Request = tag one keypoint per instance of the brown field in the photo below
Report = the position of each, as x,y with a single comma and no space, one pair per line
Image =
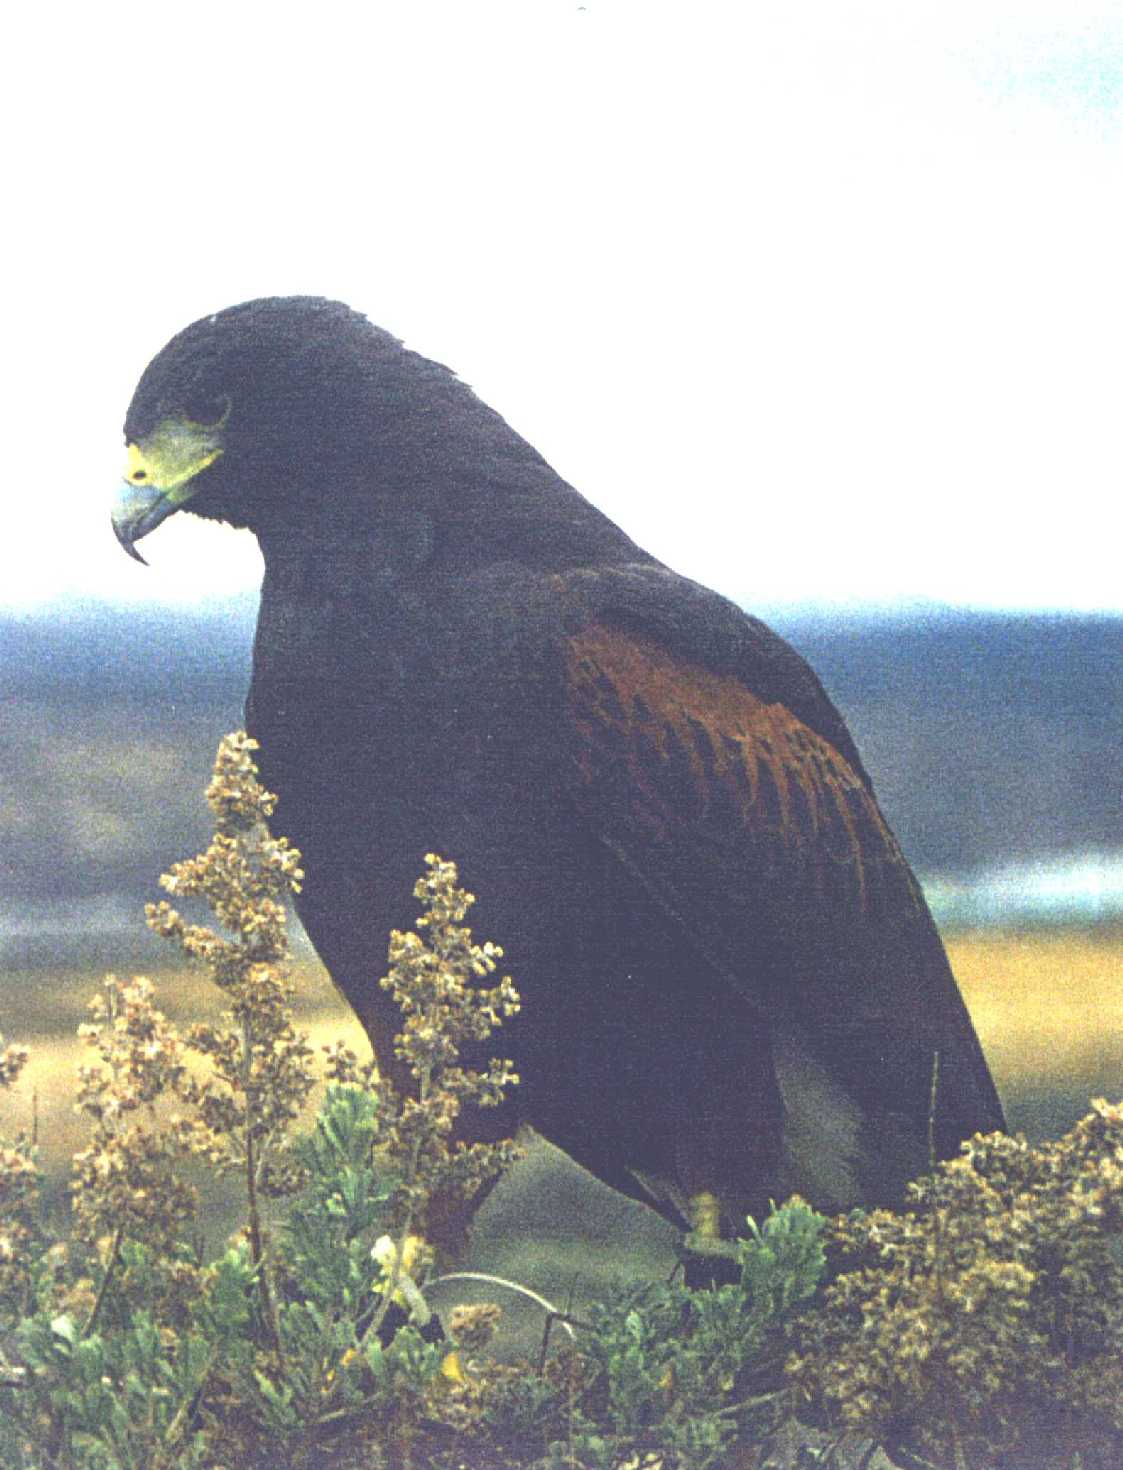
1048,1005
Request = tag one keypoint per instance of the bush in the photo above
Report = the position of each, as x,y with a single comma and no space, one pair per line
131,1350
983,1327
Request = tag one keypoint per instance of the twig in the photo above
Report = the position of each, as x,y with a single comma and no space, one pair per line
397,1265
190,1405
548,1307
110,1268
568,1322
257,1248
932,1112
553,1314
757,1401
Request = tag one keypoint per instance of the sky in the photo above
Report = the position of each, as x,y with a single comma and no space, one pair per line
820,300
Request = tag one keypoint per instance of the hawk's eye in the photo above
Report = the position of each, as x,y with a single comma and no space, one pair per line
209,409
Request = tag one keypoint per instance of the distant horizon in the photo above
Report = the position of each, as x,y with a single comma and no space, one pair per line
244,601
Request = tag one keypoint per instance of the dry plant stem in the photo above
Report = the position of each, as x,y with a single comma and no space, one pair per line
110,1271
567,1320
407,1225
257,1247
938,1212
932,1112
183,1414
757,1401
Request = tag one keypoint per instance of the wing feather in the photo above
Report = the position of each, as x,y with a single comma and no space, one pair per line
667,746
762,840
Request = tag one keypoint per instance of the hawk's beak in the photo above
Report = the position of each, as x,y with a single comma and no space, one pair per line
160,477
137,510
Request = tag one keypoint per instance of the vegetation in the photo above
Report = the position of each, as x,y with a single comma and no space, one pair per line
981,1328
984,1327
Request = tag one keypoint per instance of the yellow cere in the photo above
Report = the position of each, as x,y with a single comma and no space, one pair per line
171,456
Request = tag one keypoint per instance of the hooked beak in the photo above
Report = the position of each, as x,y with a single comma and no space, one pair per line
139,509
160,477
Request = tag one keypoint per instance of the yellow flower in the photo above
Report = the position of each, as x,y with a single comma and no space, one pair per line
406,1293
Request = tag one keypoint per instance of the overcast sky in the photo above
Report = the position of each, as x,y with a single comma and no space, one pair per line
820,300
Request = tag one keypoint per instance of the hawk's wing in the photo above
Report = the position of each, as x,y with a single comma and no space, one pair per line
765,844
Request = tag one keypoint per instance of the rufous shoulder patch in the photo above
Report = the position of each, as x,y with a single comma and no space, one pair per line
694,746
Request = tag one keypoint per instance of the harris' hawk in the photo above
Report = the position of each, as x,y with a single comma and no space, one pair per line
732,988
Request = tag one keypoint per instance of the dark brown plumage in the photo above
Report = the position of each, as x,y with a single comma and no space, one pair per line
731,982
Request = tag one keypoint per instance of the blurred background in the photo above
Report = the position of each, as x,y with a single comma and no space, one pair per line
821,303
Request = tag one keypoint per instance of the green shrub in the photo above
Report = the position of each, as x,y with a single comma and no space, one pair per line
984,1327
132,1351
